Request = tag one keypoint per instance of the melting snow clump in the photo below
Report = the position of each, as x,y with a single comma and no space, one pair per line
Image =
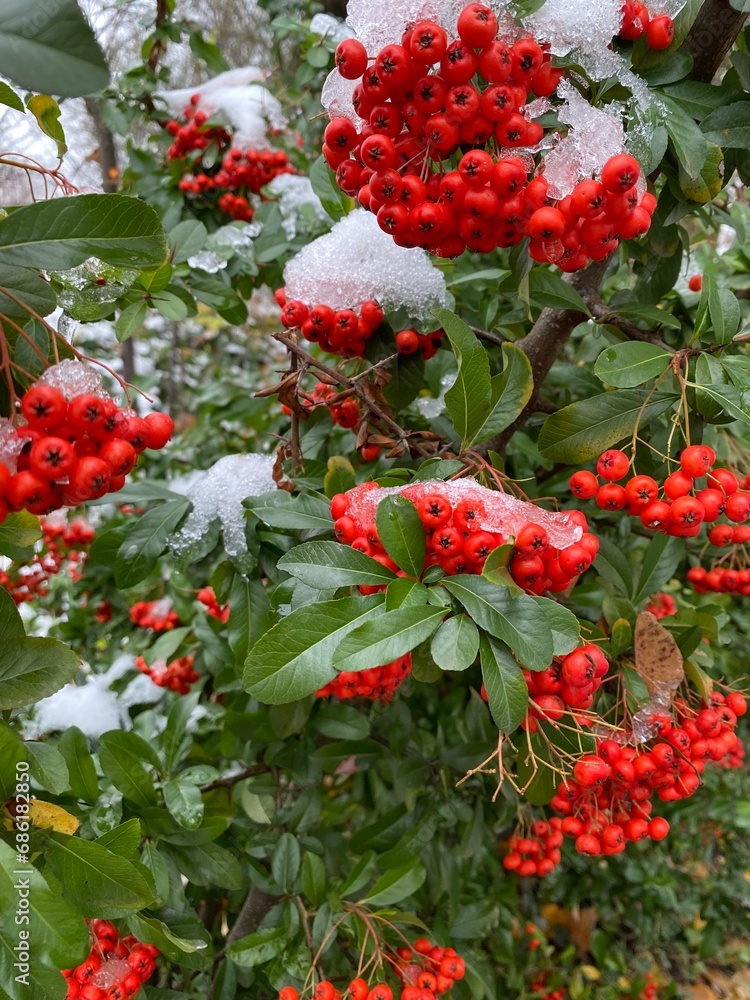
357,261
293,194
218,494
239,97
73,378
330,27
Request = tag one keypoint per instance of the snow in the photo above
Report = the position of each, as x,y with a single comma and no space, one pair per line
73,378
293,194
234,240
382,22
504,514
218,494
336,97
91,706
595,135
357,261
239,97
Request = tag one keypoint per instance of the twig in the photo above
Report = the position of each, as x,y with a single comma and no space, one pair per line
229,782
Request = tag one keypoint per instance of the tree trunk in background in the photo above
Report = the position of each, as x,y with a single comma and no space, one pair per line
110,171
336,7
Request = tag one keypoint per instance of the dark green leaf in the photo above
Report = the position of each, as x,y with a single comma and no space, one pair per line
396,885
81,770
47,766
582,430
94,878
688,140
286,861
387,637
630,364
510,391
328,564
468,399
258,948
295,658
280,510
122,757
10,98
729,126
507,693
553,292
138,554
663,556
401,534
32,669
50,48
18,532
184,802
62,233
455,644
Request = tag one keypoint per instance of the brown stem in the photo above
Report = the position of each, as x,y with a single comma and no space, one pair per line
158,48
248,772
711,37
257,904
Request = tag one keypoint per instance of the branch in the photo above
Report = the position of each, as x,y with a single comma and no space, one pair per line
711,37
602,314
233,779
257,904
544,342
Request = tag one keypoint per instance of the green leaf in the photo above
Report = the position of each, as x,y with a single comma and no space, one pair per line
563,624
583,430
630,364
510,391
295,658
186,239
285,862
280,510
122,756
26,293
340,476
314,879
50,48
332,198
56,930
11,623
387,637
184,802
10,98
455,644
170,306
663,556
405,592
724,310
248,605
689,142
130,320
74,747
705,187
258,948
47,766
621,637
123,839
32,669
138,554
207,864
519,622
156,932
614,566
730,399
396,885
553,292
468,399
96,879
64,232
401,534
18,533
507,693
328,564
47,114
729,126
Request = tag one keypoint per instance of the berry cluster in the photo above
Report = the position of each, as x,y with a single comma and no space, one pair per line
425,972
156,615
377,684
540,984
682,508
345,413
62,545
608,802
637,21
73,450
178,676
463,526
570,682
426,100
207,598
719,580
662,605
115,969
536,852
238,174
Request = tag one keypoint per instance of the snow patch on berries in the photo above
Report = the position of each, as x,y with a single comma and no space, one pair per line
237,95
337,99
585,29
383,22
218,495
595,136
502,513
357,262
11,445
73,378
295,198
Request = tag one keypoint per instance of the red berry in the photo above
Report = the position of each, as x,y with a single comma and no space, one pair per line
613,465
659,35
44,406
620,173
696,460
584,484
695,282
159,428
351,58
